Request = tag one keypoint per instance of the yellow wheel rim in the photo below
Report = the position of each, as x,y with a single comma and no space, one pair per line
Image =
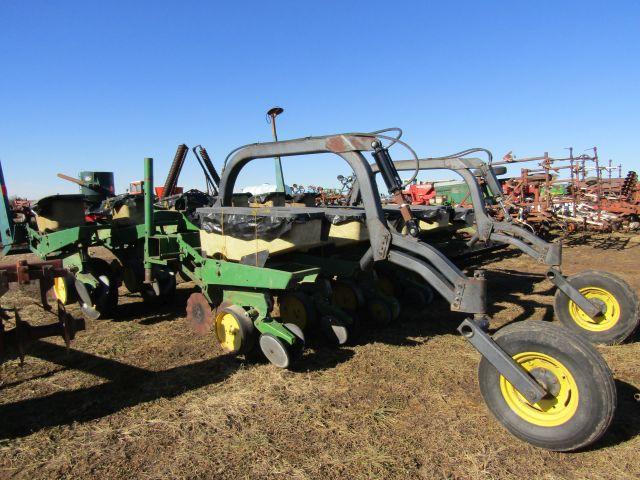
344,296
228,332
602,322
558,406
385,286
60,289
293,310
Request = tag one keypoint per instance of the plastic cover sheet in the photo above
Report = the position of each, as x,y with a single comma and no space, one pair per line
247,226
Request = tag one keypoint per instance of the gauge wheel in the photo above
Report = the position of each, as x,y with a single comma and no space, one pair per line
380,312
581,399
385,285
64,289
163,287
297,308
418,297
347,295
234,329
103,298
621,309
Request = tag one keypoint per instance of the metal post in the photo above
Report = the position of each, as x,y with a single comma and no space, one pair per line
149,227
574,182
272,114
598,184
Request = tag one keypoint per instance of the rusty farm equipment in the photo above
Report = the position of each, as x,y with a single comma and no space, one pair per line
22,335
573,193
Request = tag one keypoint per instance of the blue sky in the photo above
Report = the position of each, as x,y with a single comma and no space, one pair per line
100,85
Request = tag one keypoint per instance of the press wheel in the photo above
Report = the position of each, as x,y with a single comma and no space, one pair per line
275,350
162,288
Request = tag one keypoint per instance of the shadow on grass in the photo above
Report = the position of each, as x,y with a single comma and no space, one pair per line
600,242
626,422
127,386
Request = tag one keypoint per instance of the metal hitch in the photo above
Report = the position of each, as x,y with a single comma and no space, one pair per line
506,366
555,276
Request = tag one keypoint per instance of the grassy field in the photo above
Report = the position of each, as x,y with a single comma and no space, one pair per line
143,397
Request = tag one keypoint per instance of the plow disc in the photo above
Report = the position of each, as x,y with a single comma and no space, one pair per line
199,314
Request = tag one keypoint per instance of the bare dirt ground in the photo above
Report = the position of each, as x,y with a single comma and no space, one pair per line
143,397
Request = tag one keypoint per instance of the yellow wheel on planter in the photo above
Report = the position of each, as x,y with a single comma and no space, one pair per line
620,315
581,394
297,308
234,329
347,295
64,289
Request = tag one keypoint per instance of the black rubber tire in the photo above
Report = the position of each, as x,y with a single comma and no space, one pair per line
380,312
594,381
105,298
167,285
354,289
627,298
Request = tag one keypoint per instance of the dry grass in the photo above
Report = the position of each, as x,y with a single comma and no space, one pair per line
143,397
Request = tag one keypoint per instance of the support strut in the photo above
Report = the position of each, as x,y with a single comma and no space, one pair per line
506,366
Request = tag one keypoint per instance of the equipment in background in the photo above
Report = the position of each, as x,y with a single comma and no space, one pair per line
420,193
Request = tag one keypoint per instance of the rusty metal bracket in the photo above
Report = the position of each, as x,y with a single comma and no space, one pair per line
349,143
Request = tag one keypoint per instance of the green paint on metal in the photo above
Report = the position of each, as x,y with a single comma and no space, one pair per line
46,244
257,301
149,229
276,329
77,263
